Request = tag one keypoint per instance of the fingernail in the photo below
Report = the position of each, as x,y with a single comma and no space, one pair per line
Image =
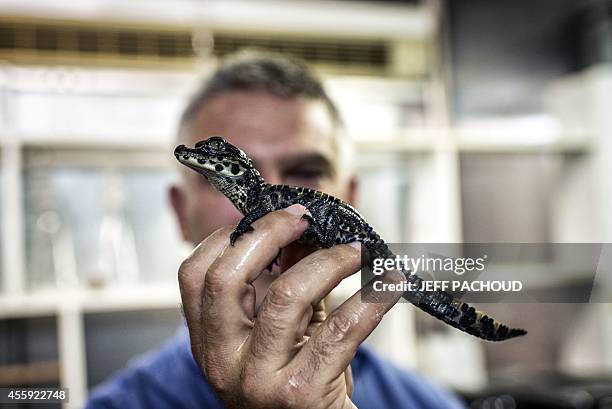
356,245
295,209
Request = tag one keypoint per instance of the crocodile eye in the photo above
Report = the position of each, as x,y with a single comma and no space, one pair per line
215,144
200,144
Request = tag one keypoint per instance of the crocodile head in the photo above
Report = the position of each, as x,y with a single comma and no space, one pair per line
225,166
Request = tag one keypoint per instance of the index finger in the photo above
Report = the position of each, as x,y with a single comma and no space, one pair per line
226,296
191,283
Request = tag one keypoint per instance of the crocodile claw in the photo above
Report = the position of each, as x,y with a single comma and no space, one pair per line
239,232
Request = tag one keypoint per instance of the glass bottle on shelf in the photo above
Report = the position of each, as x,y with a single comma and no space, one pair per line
51,257
117,258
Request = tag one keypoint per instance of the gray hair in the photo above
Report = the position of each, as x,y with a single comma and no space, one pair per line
252,70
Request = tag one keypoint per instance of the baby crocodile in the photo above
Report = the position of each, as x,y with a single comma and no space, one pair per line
331,221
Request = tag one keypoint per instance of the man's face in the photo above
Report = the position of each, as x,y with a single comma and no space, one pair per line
291,141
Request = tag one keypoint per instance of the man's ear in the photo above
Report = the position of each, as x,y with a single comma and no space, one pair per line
353,190
178,201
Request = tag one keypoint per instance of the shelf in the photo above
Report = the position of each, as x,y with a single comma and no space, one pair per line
434,140
395,145
402,145
129,143
558,147
53,301
30,374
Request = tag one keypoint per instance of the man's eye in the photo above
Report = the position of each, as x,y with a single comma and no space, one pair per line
304,177
305,174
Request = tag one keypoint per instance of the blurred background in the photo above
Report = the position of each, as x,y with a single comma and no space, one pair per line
479,121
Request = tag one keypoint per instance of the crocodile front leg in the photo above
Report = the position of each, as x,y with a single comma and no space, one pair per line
244,226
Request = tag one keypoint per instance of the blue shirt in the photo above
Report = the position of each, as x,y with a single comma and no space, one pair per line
170,378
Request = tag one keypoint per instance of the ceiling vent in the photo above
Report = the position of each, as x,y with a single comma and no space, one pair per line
61,42
365,53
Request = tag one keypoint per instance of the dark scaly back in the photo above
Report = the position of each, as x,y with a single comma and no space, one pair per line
440,304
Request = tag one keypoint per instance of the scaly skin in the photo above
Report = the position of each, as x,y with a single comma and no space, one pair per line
331,221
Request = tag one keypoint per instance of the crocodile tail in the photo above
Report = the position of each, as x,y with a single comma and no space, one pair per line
461,315
445,307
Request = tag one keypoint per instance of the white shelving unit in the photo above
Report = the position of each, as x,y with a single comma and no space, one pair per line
23,92
433,210
139,110
74,138
583,100
69,103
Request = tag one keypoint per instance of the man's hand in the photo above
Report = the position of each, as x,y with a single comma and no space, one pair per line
288,354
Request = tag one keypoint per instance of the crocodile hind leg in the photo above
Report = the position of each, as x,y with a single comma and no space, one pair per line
275,261
326,230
